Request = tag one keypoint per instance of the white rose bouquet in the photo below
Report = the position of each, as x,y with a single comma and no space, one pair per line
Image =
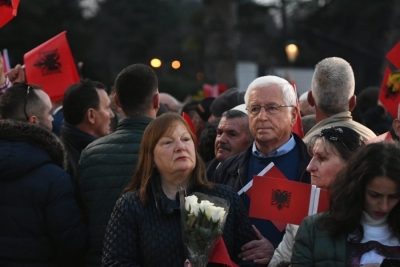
203,220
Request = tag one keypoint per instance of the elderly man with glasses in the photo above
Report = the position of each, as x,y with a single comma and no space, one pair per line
271,106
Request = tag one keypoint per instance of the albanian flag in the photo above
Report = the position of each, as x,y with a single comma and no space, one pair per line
51,66
389,94
283,200
8,10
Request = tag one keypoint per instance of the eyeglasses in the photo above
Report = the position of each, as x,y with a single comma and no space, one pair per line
270,109
29,88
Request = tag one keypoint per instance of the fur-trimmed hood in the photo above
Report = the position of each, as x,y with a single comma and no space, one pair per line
24,147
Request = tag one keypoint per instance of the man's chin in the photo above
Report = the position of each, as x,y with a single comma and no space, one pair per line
221,157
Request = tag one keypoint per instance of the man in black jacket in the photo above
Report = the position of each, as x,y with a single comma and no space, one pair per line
87,117
271,106
40,219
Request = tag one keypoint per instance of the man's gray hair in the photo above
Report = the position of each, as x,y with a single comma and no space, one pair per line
289,96
332,85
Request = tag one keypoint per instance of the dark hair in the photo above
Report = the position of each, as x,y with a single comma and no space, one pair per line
78,98
348,189
146,168
344,139
135,85
12,103
232,114
207,140
100,85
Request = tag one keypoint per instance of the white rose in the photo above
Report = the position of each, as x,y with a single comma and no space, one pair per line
221,214
191,203
204,204
217,214
195,209
209,210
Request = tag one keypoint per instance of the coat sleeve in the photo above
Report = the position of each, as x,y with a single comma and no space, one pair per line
303,247
119,247
63,220
283,252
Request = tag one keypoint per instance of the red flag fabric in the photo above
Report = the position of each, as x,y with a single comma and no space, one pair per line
389,94
276,173
219,254
394,55
385,137
214,90
52,66
279,199
189,121
323,203
7,11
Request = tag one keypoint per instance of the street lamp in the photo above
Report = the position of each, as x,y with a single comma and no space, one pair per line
292,51
155,63
176,64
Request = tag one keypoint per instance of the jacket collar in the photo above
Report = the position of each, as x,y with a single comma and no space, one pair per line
35,135
133,123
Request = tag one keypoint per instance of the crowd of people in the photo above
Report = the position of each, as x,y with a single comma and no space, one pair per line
94,179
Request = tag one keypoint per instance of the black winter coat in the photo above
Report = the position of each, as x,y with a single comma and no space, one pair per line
151,235
40,223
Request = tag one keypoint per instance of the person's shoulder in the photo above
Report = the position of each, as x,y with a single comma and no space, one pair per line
234,160
225,192
312,220
118,139
130,198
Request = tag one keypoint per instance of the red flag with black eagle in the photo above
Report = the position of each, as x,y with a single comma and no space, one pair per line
390,88
51,66
8,10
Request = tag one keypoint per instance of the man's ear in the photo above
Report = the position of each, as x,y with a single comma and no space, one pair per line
294,114
91,115
33,119
116,100
396,126
352,102
156,101
310,99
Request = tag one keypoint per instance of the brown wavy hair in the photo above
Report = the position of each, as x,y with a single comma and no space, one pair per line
348,190
146,169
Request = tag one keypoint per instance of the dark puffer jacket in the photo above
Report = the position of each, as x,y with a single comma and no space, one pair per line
151,235
105,169
314,247
40,222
